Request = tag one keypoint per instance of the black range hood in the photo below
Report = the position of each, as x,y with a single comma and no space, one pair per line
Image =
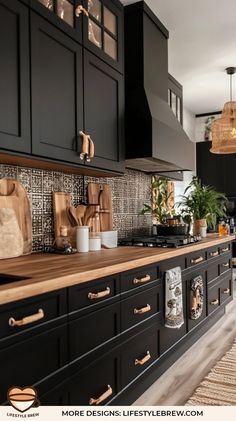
155,140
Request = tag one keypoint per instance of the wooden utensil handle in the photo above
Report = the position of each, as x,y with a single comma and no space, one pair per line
27,320
143,360
142,310
141,280
101,398
100,294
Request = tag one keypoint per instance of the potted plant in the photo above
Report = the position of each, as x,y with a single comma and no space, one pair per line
160,208
203,203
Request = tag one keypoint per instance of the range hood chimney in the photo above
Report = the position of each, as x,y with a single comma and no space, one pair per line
155,140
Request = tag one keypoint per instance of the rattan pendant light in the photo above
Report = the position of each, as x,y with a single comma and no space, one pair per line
224,128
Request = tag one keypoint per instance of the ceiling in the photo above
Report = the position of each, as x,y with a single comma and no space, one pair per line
202,44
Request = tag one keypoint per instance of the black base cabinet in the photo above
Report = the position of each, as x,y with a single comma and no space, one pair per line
105,341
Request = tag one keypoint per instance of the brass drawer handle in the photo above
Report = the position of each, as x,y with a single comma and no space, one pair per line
225,265
101,398
215,302
100,294
80,9
141,280
27,320
197,260
143,360
214,253
226,291
142,310
225,249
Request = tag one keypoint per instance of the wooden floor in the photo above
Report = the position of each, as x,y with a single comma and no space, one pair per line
178,383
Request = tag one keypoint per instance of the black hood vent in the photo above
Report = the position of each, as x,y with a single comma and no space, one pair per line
155,140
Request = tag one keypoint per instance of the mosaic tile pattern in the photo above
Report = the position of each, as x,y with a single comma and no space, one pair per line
129,193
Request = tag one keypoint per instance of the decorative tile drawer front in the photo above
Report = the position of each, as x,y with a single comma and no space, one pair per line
93,292
138,353
140,307
194,300
138,277
196,258
89,331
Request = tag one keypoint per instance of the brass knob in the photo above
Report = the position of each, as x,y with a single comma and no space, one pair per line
80,9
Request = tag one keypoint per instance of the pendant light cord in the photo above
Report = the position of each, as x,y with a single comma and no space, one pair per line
231,87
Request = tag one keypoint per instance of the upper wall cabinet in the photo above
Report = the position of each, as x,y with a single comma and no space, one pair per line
14,77
98,24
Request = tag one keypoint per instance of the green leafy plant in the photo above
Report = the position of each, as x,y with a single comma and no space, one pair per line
203,202
160,209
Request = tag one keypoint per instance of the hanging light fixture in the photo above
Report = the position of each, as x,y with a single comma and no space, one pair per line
224,128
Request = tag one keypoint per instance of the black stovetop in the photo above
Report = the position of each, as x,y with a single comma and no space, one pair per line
157,241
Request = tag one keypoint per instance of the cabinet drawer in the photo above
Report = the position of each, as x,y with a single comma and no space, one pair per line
225,289
30,361
212,252
213,300
138,277
138,353
93,292
21,315
191,323
225,264
225,248
99,380
212,270
140,307
90,331
195,258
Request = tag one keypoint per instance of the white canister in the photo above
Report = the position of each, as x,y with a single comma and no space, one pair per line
94,243
203,231
82,239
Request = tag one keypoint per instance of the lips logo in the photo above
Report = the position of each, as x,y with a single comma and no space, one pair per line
22,399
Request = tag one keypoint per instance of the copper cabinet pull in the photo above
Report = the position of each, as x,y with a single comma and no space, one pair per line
142,310
225,249
226,291
215,302
141,280
91,152
214,253
101,398
225,265
85,146
197,260
143,360
80,9
27,320
100,294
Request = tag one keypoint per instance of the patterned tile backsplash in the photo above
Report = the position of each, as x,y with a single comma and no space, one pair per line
129,192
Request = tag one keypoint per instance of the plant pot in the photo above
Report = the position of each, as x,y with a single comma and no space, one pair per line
199,227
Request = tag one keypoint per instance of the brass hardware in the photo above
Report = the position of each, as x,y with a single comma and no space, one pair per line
26,320
100,294
214,253
226,291
85,146
215,302
141,280
197,260
80,9
225,249
101,398
225,265
90,155
142,310
143,360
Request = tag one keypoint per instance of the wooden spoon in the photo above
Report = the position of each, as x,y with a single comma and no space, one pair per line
73,216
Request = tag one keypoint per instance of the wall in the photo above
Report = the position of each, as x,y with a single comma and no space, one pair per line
128,192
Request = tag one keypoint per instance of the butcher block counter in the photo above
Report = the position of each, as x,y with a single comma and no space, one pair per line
42,273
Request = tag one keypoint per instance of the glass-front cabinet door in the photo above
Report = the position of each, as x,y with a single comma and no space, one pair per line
102,31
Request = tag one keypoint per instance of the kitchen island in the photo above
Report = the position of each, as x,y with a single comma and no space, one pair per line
90,329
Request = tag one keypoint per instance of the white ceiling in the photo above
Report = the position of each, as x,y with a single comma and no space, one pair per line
202,44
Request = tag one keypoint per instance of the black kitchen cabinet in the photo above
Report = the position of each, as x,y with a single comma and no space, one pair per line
14,77
104,112
57,92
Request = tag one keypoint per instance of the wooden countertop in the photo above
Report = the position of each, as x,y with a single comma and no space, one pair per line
47,272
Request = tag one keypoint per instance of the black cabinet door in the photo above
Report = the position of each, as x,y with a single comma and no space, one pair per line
103,31
14,77
210,167
229,174
104,113
57,92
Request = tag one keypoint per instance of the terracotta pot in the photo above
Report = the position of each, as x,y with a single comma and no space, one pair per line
197,225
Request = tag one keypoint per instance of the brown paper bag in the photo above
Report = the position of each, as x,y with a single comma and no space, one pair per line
11,239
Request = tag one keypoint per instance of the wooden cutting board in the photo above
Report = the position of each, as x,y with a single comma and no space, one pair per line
100,194
14,196
61,204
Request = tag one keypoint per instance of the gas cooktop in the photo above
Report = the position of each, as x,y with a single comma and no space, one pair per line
163,242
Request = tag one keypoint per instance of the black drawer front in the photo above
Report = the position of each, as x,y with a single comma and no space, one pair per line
42,309
138,353
32,360
93,292
196,258
213,301
225,264
212,271
225,248
225,289
99,380
140,307
212,252
138,277
90,331
191,323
